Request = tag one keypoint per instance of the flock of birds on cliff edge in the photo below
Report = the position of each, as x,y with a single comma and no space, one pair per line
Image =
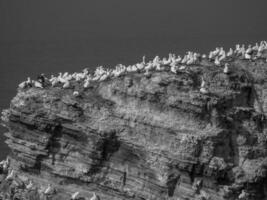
27,185
173,62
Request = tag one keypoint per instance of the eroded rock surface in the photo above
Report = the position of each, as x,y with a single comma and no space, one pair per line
145,137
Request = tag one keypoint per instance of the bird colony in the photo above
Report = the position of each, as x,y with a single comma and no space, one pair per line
173,63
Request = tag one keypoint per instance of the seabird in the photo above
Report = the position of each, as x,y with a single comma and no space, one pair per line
226,68
217,61
48,190
173,68
37,84
75,93
230,52
41,78
10,175
75,195
182,67
86,84
66,85
23,85
95,197
203,89
29,186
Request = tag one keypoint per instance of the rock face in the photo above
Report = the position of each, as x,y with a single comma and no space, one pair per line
146,137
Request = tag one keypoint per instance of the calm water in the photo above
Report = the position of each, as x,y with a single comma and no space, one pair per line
18,60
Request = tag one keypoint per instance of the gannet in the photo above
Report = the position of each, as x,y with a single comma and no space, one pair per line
37,84
247,56
95,197
10,175
182,67
23,85
75,93
140,66
41,78
5,164
217,61
230,52
29,186
86,84
74,196
48,190
226,68
144,59
66,85
103,77
147,73
203,89
173,68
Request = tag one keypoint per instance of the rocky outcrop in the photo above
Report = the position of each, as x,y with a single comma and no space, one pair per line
147,137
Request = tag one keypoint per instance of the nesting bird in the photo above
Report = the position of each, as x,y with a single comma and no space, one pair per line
226,68
203,88
74,196
95,197
11,175
49,190
29,186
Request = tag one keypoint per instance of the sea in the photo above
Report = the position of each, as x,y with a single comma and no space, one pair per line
28,58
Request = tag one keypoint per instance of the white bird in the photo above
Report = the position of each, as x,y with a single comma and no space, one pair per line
230,52
182,67
86,84
66,85
23,85
203,88
5,164
29,186
203,83
247,56
217,61
75,195
226,68
48,190
204,91
144,60
95,197
28,80
37,84
10,175
75,93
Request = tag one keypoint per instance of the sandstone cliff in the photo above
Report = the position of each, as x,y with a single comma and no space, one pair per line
143,137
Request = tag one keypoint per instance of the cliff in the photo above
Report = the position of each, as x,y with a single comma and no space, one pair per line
144,137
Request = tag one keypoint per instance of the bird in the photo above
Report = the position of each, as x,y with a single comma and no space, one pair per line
66,85
230,52
75,93
37,84
48,190
75,195
86,84
41,78
95,197
203,88
182,67
29,186
10,175
217,61
226,68
23,85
